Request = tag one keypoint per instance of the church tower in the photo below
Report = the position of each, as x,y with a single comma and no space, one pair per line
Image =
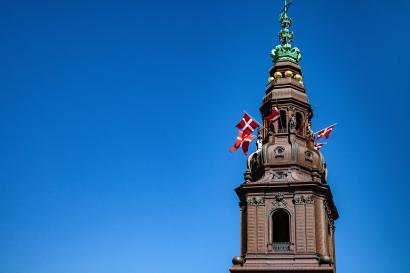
287,212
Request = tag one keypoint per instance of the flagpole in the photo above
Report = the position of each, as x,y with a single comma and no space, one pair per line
280,118
317,144
322,143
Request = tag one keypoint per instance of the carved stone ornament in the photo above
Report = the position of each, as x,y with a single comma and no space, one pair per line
331,223
259,141
303,200
292,122
279,175
255,201
328,211
247,176
309,131
271,130
279,201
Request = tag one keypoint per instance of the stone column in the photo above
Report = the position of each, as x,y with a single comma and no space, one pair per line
251,229
261,219
300,215
310,225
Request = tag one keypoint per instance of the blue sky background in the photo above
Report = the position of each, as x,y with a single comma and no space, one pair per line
116,118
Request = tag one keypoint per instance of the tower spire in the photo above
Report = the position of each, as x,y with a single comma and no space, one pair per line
286,205
285,51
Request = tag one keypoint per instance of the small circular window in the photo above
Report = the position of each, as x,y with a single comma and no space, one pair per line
309,156
280,151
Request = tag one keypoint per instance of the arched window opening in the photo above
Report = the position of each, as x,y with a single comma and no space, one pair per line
299,119
282,121
280,231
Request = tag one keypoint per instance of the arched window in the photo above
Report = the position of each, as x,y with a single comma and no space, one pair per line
282,121
280,231
299,119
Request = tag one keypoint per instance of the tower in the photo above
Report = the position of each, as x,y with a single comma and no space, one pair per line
286,206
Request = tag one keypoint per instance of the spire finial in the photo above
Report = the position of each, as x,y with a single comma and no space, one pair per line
286,5
284,51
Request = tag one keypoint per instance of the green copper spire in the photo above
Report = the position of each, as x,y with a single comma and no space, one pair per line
285,51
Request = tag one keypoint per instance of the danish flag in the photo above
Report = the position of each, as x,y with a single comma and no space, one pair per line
320,145
274,115
325,132
247,124
244,141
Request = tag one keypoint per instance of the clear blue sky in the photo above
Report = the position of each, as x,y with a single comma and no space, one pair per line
116,118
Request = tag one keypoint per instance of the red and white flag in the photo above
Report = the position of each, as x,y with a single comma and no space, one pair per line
274,115
320,145
244,141
247,124
325,132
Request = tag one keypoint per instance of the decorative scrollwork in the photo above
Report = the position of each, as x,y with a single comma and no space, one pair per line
279,201
330,219
255,201
327,209
280,175
303,200
331,223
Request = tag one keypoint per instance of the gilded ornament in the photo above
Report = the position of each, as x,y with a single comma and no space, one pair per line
271,79
298,77
288,74
277,75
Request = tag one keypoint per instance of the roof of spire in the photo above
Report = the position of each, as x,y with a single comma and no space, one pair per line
285,51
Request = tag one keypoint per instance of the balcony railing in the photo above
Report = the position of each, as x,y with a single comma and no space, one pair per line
280,247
